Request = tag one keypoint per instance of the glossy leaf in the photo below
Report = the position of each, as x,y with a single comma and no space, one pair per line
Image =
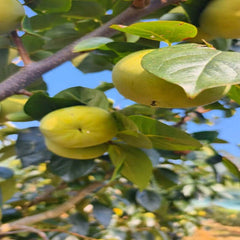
163,136
167,31
194,67
137,167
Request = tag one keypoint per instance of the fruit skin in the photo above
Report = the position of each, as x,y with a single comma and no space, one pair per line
78,126
11,14
221,18
77,153
11,106
135,83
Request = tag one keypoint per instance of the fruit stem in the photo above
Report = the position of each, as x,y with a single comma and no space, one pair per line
140,3
20,47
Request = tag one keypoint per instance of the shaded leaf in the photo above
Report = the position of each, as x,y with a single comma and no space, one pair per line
102,213
135,139
91,44
194,67
80,224
87,8
40,104
70,169
50,6
194,9
166,178
92,62
232,167
149,200
88,96
7,152
209,136
30,147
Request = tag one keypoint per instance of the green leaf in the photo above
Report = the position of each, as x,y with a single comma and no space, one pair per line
194,67
209,136
163,136
59,36
167,31
79,220
88,96
135,139
30,147
165,177
7,152
40,104
234,93
124,122
104,86
137,167
194,9
91,44
92,62
85,9
149,200
102,213
10,214
129,133
138,109
232,167
7,184
50,6
70,169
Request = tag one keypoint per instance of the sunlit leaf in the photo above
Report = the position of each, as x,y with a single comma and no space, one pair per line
167,31
194,67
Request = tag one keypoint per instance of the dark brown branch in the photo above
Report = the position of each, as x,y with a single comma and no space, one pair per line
35,69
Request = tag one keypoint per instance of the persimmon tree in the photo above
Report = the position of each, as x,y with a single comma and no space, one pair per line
138,177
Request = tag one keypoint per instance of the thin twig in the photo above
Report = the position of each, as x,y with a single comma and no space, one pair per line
46,195
25,229
68,232
20,47
34,70
56,212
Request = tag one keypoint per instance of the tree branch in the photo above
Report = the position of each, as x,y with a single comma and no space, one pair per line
34,70
21,49
56,212
25,229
